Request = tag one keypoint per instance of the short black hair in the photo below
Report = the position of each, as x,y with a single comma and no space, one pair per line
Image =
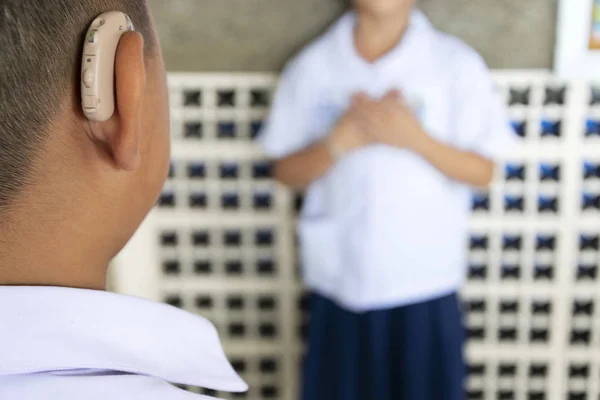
40,60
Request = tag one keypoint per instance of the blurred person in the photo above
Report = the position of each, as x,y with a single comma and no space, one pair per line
72,193
387,123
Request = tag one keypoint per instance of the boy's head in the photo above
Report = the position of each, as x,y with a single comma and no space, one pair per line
63,179
384,7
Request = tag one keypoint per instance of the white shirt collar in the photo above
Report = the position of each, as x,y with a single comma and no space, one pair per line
415,41
58,329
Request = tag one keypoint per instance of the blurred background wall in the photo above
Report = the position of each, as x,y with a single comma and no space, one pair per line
260,35
222,243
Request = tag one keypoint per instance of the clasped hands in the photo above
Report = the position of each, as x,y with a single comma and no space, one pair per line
388,121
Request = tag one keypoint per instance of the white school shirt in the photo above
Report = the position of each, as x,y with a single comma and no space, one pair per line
383,228
70,344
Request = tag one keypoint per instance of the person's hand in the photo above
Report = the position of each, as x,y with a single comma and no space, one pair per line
389,121
349,134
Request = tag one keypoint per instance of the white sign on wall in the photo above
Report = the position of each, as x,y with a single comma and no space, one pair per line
578,39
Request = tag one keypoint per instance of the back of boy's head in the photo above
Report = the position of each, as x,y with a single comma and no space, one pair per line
41,42
45,140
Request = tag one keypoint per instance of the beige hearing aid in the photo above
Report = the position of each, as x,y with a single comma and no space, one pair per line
98,64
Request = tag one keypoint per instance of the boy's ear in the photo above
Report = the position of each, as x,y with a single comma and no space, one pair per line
120,134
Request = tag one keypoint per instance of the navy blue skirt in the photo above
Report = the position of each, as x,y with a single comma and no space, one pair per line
413,352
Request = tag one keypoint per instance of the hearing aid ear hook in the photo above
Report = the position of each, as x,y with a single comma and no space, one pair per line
98,64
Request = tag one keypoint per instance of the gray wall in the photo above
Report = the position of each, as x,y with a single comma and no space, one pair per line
259,35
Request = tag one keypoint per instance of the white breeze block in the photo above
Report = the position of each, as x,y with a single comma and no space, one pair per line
221,242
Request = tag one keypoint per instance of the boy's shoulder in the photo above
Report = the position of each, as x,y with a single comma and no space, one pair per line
320,56
456,54
314,58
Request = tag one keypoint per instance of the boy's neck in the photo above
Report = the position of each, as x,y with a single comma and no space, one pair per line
40,252
377,35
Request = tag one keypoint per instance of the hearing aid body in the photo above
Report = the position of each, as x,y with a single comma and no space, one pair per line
98,64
